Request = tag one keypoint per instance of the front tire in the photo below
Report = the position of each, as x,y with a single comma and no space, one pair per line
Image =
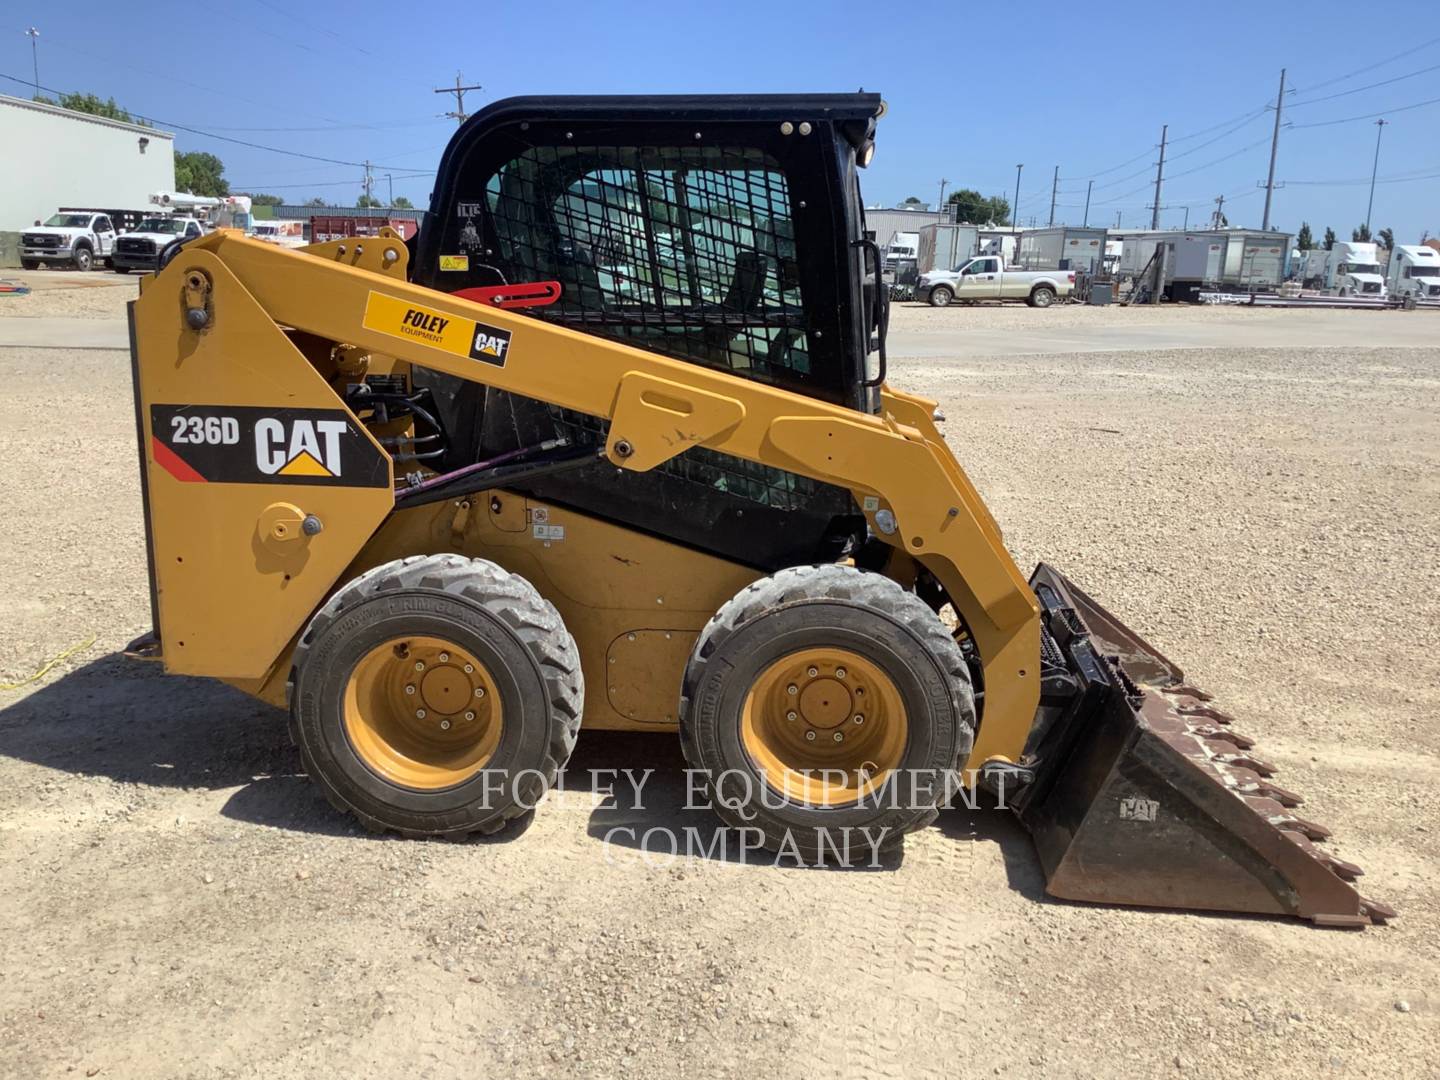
120,269
84,258
941,295
829,709
1042,296
436,696
29,264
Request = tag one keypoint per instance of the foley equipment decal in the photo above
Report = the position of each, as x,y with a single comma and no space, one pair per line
241,444
463,337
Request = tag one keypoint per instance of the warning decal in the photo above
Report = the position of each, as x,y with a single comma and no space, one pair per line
240,444
463,337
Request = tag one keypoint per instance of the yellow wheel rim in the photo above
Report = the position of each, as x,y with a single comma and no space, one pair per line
824,726
422,713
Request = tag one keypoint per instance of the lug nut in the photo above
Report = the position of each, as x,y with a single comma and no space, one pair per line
859,718
419,714
444,657
792,689
810,736
792,715
469,716
479,691
444,725
839,673
839,736
410,689
419,665
812,672
469,669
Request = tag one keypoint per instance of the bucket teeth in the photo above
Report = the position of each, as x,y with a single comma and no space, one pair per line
1307,829
1247,761
1215,734
1267,790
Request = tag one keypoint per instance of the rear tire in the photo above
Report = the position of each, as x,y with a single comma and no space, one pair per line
1042,296
436,696
803,653
83,259
941,295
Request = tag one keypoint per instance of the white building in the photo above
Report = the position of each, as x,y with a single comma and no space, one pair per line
55,157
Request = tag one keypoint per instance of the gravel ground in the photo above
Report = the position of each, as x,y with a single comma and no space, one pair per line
1267,517
99,294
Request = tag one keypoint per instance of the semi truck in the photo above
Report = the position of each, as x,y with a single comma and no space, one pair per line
1414,274
1347,269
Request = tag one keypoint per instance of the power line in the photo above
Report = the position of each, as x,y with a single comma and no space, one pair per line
459,114
1369,116
1367,86
1374,65
1226,157
212,135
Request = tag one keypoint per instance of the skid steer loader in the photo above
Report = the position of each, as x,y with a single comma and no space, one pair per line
612,444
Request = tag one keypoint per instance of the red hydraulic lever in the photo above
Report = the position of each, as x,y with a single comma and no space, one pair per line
521,295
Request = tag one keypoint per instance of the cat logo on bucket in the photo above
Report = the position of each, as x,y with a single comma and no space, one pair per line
307,448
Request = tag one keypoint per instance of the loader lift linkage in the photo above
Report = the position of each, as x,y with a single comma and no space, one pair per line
609,449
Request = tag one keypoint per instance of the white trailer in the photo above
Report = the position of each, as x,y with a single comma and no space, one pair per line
946,247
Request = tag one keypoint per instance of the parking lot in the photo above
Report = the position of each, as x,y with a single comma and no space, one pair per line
1256,492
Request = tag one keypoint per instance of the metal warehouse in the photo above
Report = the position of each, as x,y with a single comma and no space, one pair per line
76,159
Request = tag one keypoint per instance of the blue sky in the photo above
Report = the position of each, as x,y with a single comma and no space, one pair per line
1086,87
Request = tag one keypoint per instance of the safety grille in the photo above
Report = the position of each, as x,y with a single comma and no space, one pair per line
135,246
40,240
687,251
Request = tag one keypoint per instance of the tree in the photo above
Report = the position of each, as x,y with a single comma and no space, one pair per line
316,201
1387,239
200,174
264,200
911,203
1304,240
402,203
1360,235
1329,238
971,206
92,104
365,201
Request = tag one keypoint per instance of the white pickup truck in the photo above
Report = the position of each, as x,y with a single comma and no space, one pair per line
985,278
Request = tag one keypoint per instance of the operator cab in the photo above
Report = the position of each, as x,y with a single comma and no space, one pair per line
724,231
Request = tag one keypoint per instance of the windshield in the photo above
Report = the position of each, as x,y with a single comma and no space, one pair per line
69,221
1364,268
1425,271
162,225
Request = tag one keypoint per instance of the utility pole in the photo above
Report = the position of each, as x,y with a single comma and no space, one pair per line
34,36
390,183
1015,210
369,183
1088,186
459,115
1117,219
1379,130
1159,178
1218,218
1054,187
940,207
1274,149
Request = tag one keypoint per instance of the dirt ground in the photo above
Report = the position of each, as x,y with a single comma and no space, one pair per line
179,901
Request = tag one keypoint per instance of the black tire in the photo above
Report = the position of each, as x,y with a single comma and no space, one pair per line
828,607
1042,296
120,269
493,614
941,295
29,264
84,258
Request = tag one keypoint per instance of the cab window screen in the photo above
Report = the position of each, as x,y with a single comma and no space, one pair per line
688,251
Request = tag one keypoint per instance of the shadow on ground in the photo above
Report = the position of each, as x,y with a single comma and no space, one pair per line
129,722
